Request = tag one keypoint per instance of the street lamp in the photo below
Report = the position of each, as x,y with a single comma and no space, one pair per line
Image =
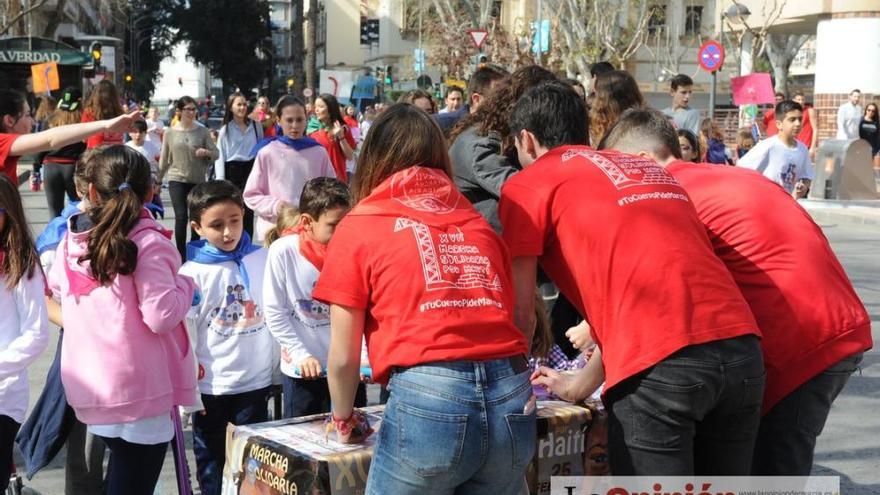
736,14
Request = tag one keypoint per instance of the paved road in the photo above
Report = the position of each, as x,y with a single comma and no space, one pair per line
849,446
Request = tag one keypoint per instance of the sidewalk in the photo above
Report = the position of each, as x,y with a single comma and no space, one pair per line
853,213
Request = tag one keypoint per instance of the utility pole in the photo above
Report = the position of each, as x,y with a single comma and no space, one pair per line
296,44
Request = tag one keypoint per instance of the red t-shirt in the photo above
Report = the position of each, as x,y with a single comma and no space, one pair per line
100,138
621,239
334,149
431,273
804,304
770,123
10,163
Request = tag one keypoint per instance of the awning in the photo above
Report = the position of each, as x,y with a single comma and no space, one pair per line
40,50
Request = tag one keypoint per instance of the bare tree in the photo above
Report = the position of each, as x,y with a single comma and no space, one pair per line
591,30
667,51
781,50
55,20
771,10
297,44
444,32
16,15
311,47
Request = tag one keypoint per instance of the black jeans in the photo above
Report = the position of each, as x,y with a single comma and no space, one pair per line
178,192
238,172
58,180
788,432
8,430
134,468
304,397
209,431
695,412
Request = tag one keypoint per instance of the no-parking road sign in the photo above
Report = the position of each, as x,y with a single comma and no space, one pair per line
711,56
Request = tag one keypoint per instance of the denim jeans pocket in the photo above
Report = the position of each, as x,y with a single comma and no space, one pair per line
523,431
430,442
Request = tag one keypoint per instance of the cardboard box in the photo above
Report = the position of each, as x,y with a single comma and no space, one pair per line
571,441
292,457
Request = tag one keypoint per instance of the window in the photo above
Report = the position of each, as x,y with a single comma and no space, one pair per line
693,19
657,21
496,9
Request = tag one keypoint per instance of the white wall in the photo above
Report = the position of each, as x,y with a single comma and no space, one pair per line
847,52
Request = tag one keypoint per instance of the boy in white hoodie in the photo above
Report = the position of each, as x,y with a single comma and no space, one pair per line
299,323
233,347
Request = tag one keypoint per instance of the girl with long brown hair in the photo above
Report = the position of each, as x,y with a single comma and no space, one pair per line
116,267
24,330
420,273
59,165
236,142
103,103
482,151
614,93
45,107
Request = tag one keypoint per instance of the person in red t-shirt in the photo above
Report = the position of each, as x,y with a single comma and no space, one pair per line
332,133
813,338
620,238
418,271
808,136
16,123
103,103
769,119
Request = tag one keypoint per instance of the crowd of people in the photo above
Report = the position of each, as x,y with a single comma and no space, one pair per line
407,249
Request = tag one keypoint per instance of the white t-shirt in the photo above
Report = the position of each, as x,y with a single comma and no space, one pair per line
778,162
150,151
154,131
24,335
233,346
300,324
146,431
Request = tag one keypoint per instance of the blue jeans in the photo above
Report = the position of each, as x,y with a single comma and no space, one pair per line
695,412
455,427
209,431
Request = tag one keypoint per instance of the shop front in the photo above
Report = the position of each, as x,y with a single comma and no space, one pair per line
17,55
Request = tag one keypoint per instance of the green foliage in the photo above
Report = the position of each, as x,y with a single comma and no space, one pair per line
154,23
227,35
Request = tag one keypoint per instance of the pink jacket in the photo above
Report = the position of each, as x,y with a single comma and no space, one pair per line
279,174
125,354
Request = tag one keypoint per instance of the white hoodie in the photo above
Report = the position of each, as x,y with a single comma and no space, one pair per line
24,335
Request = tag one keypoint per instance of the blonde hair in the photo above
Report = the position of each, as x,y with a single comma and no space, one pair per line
288,218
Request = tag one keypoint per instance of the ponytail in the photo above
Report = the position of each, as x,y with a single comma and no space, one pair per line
121,177
288,219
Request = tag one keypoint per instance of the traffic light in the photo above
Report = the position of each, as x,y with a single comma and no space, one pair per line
95,50
128,78
290,83
388,74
